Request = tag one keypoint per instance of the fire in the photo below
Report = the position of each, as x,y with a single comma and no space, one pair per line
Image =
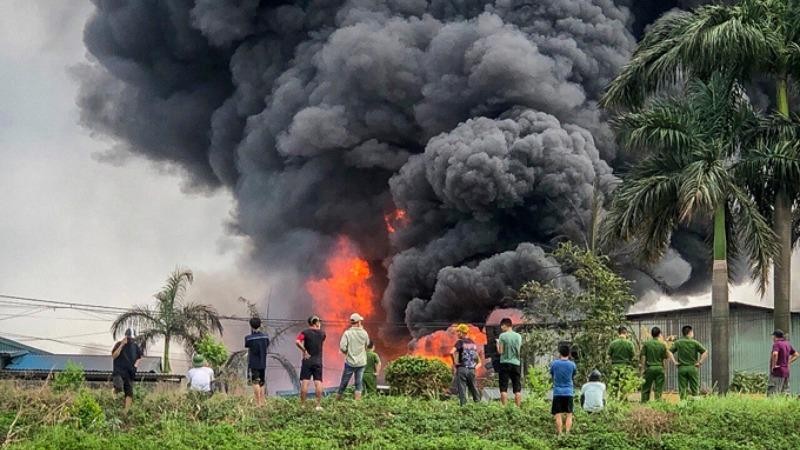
395,219
344,291
438,345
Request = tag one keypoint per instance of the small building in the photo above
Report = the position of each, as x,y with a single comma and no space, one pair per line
750,337
21,361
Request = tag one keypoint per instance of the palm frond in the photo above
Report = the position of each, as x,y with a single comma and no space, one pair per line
754,235
141,317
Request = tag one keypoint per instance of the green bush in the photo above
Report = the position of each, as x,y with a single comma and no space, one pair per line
750,382
539,381
86,411
418,377
623,381
70,379
213,350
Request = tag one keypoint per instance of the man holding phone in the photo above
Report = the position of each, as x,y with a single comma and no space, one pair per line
126,355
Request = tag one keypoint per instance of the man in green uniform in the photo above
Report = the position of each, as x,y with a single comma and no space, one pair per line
372,370
621,350
689,356
654,357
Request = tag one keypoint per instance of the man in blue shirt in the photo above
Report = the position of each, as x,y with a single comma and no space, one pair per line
563,371
256,344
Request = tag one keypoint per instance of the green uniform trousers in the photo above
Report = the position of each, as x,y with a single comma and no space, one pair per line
653,381
688,381
370,383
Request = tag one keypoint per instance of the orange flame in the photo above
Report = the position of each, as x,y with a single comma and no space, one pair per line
346,290
438,344
395,219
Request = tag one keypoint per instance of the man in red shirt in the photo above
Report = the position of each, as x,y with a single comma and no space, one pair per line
782,356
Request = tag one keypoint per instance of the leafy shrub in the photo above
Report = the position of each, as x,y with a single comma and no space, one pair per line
213,350
70,379
86,411
749,382
418,377
539,381
623,381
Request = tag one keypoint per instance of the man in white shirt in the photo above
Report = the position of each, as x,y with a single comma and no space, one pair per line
593,393
200,376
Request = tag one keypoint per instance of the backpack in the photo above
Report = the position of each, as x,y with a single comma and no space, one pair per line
469,354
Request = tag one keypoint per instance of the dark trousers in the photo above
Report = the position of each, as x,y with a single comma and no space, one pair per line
465,379
653,381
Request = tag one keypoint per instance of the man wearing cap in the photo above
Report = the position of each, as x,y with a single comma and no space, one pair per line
200,376
465,359
125,355
354,346
783,355
310,341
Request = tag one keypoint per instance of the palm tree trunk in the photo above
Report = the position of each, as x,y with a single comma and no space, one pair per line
782,226
720,314
167,368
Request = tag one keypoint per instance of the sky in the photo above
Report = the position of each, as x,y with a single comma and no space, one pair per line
73,227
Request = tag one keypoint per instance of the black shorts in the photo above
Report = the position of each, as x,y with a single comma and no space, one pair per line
123,382
511,372
562,404
310,370
257,376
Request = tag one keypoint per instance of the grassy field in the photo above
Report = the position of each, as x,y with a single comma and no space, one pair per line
41,419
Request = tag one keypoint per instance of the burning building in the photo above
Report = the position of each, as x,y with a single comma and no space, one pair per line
408,159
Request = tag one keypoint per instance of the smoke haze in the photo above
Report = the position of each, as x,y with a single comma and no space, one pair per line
478,119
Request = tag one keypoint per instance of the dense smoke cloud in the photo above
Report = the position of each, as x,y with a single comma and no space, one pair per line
478,118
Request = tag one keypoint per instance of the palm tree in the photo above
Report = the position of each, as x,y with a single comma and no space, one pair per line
752,38
688,174
171,318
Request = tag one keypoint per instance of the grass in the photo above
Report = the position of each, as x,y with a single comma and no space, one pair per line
42,419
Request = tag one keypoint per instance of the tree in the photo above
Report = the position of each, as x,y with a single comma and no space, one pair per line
747,40
172,318
694,143
585,310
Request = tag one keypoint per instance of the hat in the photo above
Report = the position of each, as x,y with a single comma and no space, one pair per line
356,317
462,328
198,360
130,333
595,375
778,333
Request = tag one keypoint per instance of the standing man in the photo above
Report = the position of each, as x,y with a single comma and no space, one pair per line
621,350
256,344
783,355
354,346
508,345
126,355
372,370
689,355
310,341
563,371
465,359
653,359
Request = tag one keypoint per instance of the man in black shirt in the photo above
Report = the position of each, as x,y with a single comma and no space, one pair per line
126,355
310,341
257,343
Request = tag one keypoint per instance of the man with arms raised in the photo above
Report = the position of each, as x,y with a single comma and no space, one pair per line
310,341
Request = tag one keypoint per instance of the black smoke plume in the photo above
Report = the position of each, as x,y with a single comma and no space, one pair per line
477,118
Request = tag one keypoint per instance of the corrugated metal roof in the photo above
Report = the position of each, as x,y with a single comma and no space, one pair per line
10,346
90,363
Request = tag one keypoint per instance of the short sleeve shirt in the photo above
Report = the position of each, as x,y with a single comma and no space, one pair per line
593,393
512,341
654,353
372,362
621,351
131,353
468,359
312,340
784,349
563,371
687,351
200,378
256,344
